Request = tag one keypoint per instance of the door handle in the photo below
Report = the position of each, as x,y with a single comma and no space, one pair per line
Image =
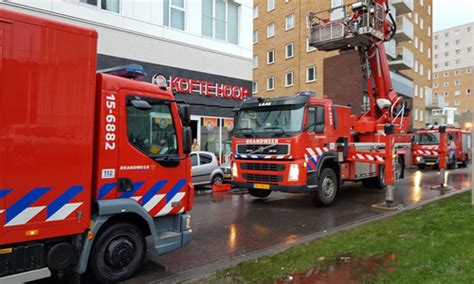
124,185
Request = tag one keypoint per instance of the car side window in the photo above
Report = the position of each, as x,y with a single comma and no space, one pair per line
194,160
205,159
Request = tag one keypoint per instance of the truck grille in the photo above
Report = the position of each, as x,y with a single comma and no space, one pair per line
262,167
262,178
279,149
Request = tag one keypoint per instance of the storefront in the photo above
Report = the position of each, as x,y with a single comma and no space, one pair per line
212,99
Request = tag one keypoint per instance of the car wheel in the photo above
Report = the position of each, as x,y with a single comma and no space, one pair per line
118,253
327,188
259,193
217,179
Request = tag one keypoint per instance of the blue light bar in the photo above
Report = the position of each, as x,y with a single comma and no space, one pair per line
131,71
306,93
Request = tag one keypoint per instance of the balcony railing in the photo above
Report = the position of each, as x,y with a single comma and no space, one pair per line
403,61
404,29
434,101
402,6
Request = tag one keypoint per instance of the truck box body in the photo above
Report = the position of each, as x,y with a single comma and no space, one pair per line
46,127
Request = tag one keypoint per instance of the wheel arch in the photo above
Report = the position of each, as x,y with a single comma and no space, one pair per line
329,160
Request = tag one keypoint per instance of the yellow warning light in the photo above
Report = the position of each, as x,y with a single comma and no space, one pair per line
90,235
31,233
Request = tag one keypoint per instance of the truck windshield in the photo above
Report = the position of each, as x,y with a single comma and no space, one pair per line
152,131
270,121
427,138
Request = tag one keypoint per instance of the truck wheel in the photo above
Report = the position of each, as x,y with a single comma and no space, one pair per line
118,253
259,193
401,164
327,188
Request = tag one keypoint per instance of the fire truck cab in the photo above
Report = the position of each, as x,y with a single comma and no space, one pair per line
426,148
90,164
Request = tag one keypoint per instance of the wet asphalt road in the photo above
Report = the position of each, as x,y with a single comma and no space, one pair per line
229,225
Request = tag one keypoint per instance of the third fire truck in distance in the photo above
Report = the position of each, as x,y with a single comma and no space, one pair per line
426,148
306,143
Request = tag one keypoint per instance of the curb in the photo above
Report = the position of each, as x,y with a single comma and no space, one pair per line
205,271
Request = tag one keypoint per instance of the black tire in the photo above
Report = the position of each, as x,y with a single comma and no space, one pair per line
127,244
327,188
402,167
259,193
217,179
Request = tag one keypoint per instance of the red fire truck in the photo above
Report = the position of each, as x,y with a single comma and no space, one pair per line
90,164
308,144
426,148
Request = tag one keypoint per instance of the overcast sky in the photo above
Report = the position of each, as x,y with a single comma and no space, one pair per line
451,13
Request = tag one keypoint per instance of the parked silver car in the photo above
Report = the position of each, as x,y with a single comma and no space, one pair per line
206,169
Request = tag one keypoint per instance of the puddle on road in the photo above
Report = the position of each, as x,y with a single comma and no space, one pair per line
345,269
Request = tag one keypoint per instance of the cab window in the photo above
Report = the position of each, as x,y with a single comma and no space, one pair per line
316,119
152,130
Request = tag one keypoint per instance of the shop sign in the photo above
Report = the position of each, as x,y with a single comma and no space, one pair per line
205,88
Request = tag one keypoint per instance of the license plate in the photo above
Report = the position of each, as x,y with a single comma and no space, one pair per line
430,164
261,186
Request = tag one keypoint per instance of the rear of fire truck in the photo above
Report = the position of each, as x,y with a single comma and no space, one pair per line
308,144
90,164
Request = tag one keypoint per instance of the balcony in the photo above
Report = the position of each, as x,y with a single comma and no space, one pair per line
434,101
403,61
402,6
404,29
391,48
402,85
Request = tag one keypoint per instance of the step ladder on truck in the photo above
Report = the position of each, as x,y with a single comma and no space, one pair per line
308,144
90,164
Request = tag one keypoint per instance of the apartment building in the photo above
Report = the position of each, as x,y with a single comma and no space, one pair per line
284,63
453,64
203,47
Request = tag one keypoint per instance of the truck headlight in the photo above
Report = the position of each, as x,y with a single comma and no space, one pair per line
294,172
235,172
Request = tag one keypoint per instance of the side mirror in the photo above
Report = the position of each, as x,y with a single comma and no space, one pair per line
187,139
140,104
185,114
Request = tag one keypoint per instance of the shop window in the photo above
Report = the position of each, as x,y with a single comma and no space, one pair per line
109,5
210,135
220,20
174,13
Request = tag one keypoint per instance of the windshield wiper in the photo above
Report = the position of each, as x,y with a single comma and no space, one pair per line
283,132
252,132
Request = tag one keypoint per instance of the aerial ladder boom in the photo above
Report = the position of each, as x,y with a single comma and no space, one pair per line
365,26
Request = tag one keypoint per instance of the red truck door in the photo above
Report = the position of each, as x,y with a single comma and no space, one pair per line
143,144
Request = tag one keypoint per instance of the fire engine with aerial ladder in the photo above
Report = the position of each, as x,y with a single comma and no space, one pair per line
306,144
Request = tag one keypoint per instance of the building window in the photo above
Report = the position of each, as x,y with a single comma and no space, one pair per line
289,79
220,20
270,5
446,84
271,56
429,10
457,82
174,14
429,52
416,66
309,48
435,75
422,70
436,47
271,30
457,72
446,34
421,3
446,44
337,13
446,94
436,65
416,91
468,70
311,75
415,114
458,51
458,42
421,23
255,62
421,92
457,93
416,18
255,11
421,114
289,22
270,83
446,54
436,37
289,50
429,31
109,5
435,86
468,91
457,102
416,42
446,64
254,87
421,46
446,74
429,74
458,61
255,36
469,50
469,29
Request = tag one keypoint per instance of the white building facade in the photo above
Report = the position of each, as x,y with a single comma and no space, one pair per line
204,47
